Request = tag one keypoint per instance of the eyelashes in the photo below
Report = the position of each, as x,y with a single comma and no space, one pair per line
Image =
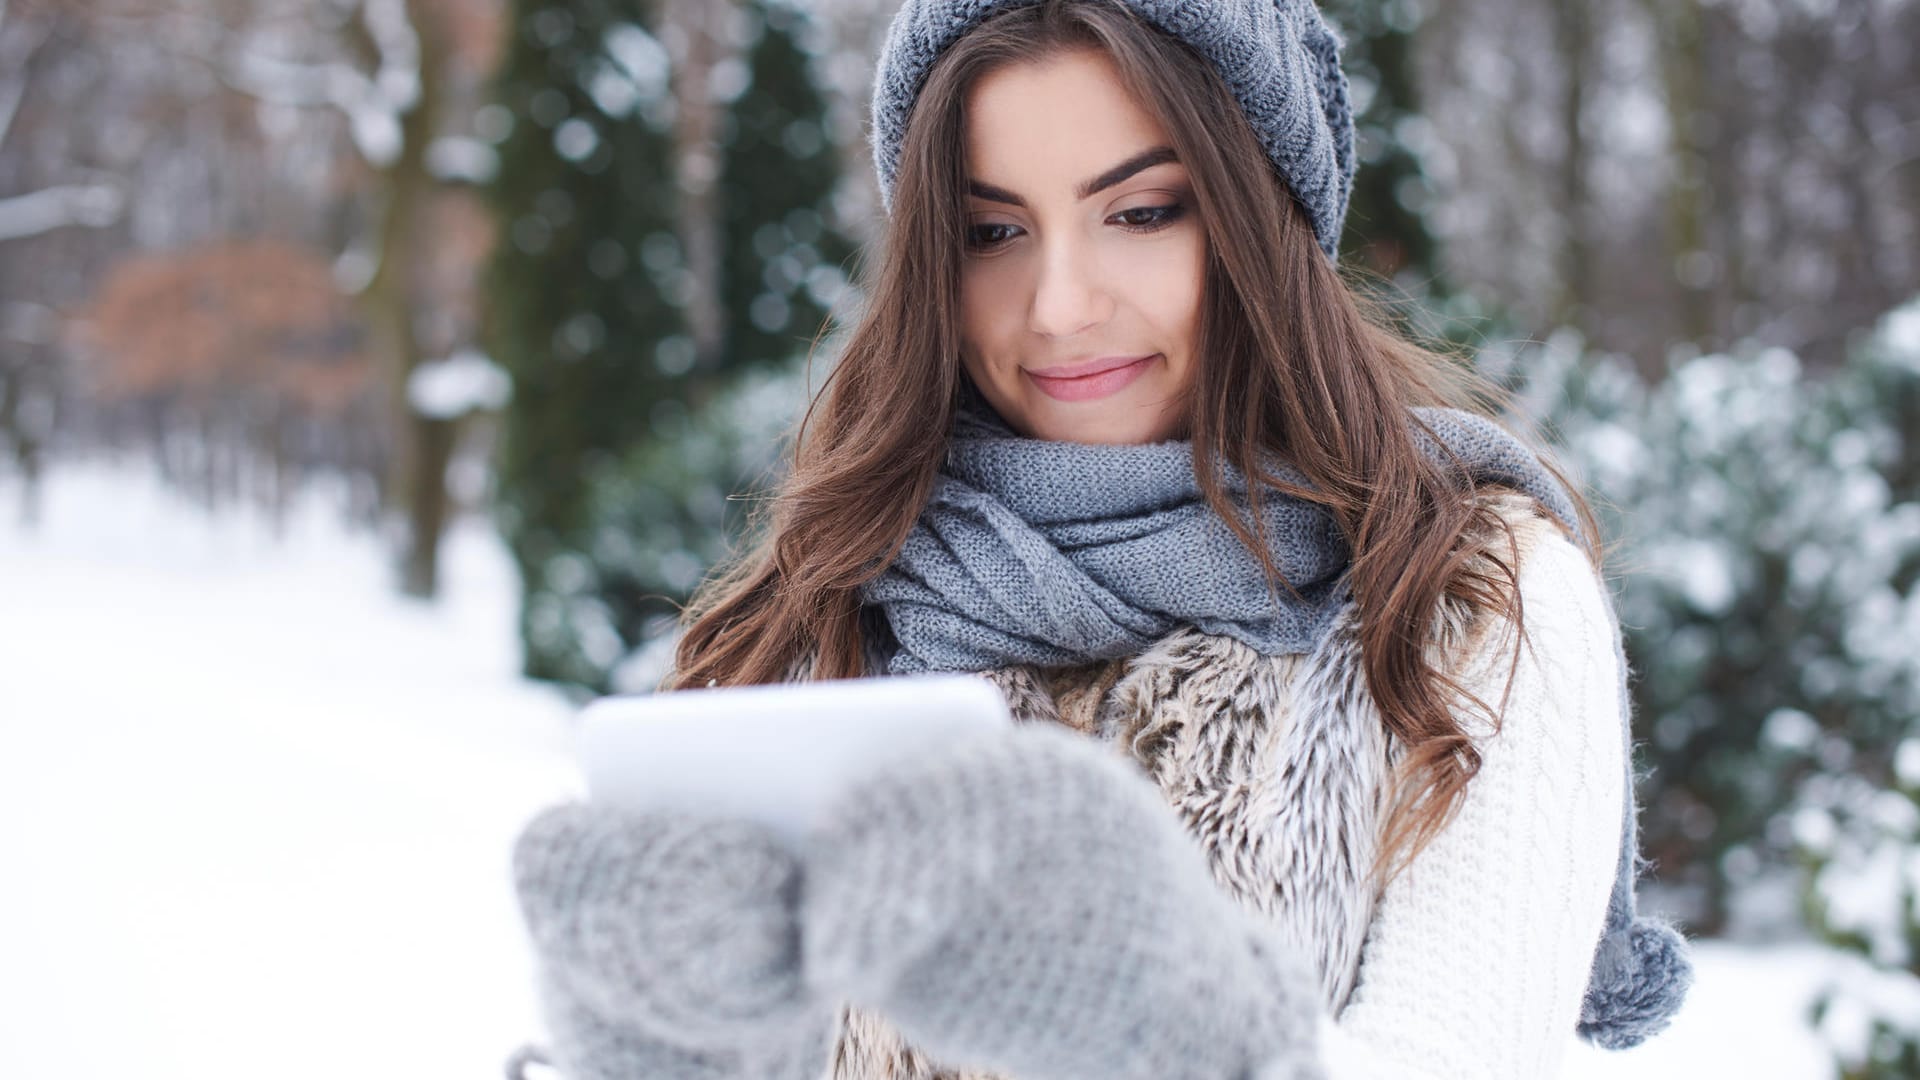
1156,218
1162,216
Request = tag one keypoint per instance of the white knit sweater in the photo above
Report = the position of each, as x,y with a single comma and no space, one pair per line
1477,958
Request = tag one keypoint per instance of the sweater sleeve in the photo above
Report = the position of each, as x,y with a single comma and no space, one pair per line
1479,953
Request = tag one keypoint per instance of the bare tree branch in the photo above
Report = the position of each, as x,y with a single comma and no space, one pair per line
90,205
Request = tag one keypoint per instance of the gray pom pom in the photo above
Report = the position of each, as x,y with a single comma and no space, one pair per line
1640,977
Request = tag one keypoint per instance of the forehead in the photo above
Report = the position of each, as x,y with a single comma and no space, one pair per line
1049,124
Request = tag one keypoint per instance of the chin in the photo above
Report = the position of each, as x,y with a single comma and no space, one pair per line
1114,423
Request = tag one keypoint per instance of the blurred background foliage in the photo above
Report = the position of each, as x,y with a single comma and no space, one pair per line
575,264
703,222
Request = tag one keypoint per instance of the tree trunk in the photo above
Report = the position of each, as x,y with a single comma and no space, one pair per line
429,510
1573,33
23,441
701,27
416,472
1683,73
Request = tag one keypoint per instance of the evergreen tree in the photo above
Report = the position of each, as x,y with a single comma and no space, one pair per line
1386,229
1386,235
599,504
580,289
779,170
675,505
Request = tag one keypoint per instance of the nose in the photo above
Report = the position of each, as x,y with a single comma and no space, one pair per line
1068,297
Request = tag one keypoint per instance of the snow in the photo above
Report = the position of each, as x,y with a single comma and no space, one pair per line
452,386
575,139
258,812
462,158
1900,333
641,58
372,106
1701,569
373,103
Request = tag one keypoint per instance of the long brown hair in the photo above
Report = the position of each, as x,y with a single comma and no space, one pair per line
1297,362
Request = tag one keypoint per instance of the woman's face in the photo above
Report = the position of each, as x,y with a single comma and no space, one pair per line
1081,279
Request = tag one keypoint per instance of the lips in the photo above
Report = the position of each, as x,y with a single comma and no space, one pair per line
1100,378
1088,367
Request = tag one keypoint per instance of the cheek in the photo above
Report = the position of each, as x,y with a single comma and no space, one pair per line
1188,273
978,343
1174,286
976,308
989,323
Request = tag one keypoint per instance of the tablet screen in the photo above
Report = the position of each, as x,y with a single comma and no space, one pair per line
776,754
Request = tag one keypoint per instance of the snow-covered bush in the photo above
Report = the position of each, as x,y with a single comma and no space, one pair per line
1858,821
1768,524
669,511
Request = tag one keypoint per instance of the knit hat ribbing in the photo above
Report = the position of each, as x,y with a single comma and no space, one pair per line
1279,58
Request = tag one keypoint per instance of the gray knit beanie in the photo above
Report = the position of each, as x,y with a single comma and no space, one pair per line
1279,58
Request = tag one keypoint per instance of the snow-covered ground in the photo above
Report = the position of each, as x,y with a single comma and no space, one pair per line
256,810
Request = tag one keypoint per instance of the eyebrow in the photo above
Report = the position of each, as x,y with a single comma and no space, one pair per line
1145,159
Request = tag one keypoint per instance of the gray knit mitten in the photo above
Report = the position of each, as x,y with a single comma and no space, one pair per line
668,947
1027,902
1023,901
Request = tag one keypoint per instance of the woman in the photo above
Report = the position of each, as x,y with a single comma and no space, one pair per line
1322,774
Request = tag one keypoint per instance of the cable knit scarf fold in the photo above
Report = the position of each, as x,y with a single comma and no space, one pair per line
1032,551
1052,553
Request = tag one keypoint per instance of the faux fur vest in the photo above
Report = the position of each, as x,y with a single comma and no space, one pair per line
1277,764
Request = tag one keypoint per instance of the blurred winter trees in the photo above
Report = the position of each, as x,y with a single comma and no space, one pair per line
1657,171
244,242
1702,171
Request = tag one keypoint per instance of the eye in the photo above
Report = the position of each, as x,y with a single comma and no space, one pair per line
1141,219
1159,217
977,242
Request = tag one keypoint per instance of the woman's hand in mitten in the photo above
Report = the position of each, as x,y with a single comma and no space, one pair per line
668,947
1028,902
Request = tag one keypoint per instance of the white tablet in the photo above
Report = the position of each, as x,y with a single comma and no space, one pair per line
775,754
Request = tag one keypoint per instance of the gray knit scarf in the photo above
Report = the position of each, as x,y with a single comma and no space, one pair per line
1033,551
